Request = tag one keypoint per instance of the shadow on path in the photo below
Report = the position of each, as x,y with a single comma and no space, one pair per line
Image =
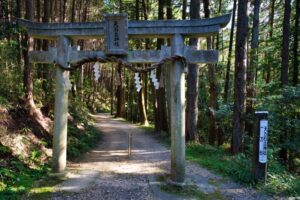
108,173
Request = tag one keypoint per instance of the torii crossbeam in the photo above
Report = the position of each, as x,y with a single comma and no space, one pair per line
116,31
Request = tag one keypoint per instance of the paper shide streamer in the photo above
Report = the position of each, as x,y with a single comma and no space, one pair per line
154,79
138,83
96,71
66,81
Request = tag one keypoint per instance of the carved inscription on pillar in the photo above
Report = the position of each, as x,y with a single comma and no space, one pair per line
116,34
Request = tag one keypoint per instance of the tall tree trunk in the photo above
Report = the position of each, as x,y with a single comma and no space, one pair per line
38,42
44,70
73,11
161,120
141,100
112,90
79,11
120,95
296,46
28,84
227,78
17,13
147,46
142,108
269,55
251,70
192,84
184,9
145,11
285,43
137,9
218,36
213,104
239,77
283,154
64,6
43,121
62,10
169,9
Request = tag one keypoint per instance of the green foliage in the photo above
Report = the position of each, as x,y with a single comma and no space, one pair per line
4,151
214,158
4,102
224,118
10,76
35,156
279,181
284,119
81,139
17,179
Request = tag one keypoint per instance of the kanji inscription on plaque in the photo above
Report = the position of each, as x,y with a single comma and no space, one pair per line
116,34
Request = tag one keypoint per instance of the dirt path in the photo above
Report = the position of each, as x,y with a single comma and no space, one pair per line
107,173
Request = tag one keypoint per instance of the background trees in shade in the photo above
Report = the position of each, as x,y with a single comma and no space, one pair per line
258,69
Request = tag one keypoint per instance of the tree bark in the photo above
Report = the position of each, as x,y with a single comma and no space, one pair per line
285,43
169,9
192,84
239,78
120,95
296,46
43,121
28,83
73,11
184,9
142,109
213,104
17,13
227,78
112,91
251,70
161,120
38,43
137,9
283,154
271,23
45,67
218,36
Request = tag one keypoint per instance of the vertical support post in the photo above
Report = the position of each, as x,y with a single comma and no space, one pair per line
177,104
260,145
112,92
129,144
59,157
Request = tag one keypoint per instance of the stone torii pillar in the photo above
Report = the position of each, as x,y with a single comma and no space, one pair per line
59,155
177,101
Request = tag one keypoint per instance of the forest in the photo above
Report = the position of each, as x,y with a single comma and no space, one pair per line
258,70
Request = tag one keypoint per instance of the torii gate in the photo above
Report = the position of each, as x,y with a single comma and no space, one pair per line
116,31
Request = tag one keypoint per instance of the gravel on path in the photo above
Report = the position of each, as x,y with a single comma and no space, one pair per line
108,173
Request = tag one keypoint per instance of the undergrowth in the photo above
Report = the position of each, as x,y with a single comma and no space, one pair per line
80,141
279,181
16,178
82,135
218,159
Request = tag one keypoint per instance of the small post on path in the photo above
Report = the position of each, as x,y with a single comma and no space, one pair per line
260,145
129,144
